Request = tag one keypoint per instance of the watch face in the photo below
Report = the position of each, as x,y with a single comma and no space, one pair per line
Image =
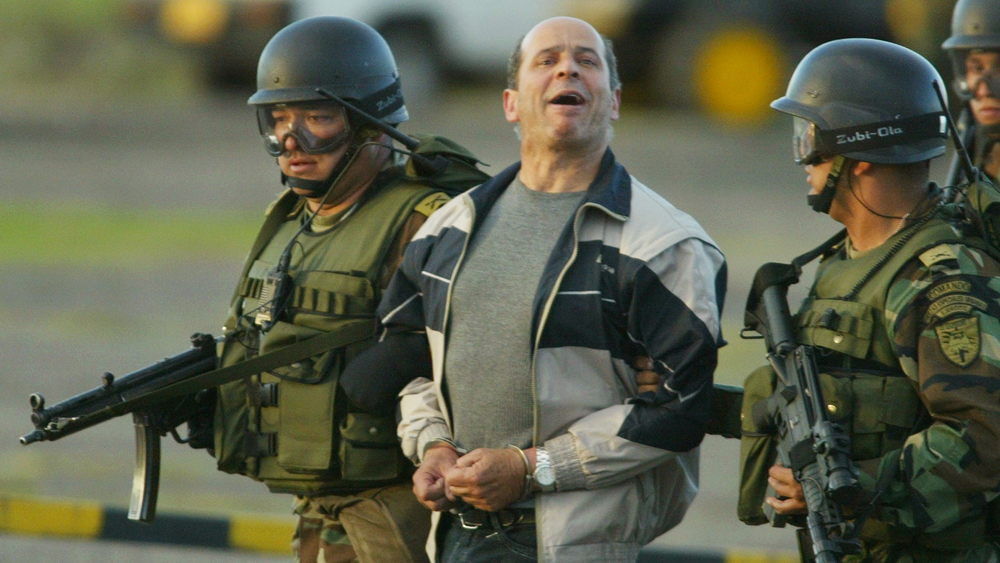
545,476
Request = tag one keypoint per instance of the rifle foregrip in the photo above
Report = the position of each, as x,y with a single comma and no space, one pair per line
146,478
826,549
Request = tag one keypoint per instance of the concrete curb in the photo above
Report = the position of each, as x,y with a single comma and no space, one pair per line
253,532
68,519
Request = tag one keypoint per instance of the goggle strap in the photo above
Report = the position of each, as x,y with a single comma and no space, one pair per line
835,168
881,134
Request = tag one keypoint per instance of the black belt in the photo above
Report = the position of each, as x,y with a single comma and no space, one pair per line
474,518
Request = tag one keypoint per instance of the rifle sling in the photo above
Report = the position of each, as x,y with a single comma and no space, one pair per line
820,250
349,334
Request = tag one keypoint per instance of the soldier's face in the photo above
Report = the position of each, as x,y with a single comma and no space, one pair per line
316,124
982,69
563,97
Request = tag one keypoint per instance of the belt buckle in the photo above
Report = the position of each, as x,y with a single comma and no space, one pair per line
511,517
470,523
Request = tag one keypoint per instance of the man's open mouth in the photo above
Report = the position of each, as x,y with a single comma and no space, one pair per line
568,100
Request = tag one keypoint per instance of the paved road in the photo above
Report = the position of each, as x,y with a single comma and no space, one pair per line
63,327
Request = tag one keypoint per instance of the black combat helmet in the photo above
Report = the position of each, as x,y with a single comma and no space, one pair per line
866,100
975,25
339,56
343,56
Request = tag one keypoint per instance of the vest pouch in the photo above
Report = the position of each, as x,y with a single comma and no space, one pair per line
368,448
885,410
842,326
231,416
303,420
757,449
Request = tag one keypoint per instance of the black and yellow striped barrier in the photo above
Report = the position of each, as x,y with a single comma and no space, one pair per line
78,519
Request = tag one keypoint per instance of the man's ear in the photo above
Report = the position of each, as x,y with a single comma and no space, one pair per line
861,168
510,105
616,102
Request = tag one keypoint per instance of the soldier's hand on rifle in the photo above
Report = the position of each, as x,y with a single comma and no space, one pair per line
645,377
790,498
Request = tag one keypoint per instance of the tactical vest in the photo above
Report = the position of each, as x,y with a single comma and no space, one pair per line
292,427
864,386
844,318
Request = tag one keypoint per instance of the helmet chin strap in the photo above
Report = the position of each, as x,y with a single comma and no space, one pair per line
992,131
822,201
321,188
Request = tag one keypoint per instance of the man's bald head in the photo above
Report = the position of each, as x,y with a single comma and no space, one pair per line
517,57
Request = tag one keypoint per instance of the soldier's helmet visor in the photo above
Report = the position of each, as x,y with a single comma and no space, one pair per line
316,127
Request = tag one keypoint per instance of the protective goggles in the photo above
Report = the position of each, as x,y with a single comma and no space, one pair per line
970,77
804,142
810,145
316,127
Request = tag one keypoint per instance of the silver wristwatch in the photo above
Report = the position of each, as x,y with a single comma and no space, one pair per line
544,477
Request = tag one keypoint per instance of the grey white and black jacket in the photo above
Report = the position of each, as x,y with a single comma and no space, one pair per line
630,275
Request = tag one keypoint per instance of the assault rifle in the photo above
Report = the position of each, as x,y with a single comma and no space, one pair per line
815,448
167,394
154,412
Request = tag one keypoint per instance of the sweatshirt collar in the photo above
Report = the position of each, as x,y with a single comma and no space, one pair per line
610,190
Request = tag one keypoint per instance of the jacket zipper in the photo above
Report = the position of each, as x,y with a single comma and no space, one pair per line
548,307
447,305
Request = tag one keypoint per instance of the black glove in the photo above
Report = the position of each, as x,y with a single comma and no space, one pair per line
197,410
201,425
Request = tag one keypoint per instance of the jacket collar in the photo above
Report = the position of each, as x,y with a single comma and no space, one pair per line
611,189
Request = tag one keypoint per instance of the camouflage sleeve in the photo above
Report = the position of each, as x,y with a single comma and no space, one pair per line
942,312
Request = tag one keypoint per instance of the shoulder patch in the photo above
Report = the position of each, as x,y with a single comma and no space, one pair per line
937,254
953,304
951,286
431,203
959,340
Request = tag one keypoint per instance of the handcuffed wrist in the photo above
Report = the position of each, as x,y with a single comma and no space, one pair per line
527,488
434,434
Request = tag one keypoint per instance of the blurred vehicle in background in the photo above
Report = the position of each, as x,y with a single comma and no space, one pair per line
727,57
226,35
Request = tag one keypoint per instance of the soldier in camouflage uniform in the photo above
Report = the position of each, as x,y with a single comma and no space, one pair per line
903,314
974,47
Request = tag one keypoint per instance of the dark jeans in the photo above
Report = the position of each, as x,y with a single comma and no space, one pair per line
487,544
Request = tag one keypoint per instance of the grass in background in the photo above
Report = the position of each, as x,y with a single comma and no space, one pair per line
53,235
81,51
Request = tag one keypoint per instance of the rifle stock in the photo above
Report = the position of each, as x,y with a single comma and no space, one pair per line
815,448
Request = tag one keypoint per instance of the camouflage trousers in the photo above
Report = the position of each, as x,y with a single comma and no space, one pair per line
383,525
914,553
